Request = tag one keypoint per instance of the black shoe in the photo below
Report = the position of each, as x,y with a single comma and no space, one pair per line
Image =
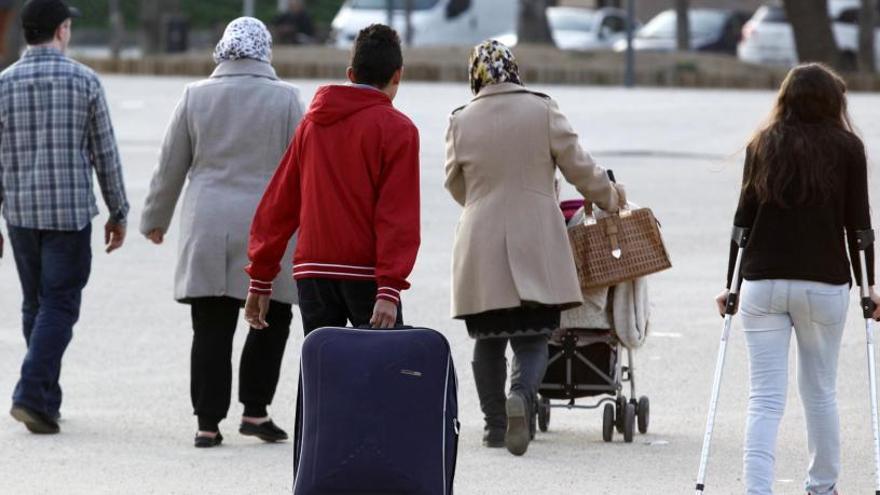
518,435
208,442
35,421
266,432
493,438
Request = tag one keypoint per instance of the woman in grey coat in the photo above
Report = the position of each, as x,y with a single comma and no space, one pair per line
227,136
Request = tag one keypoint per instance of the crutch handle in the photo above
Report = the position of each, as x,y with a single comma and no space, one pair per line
865,238
868,307
741,235
732,303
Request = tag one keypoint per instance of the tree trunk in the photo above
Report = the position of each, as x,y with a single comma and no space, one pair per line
150,13
14,38
867,23
533,27
153,16
813,36
682,26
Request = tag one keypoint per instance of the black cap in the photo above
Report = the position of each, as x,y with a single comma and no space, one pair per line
44,16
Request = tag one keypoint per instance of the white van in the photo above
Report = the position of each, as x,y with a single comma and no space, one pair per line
434,22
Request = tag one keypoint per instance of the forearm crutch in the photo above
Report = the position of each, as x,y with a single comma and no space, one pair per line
740,237
865,239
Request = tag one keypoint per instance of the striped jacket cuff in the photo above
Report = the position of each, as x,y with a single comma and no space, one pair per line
260,288
389,294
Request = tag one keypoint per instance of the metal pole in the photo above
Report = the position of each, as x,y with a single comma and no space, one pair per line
249,8
117,29
389,10
630,75
409,26
866,239
740,236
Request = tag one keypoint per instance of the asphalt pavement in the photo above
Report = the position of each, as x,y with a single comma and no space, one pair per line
127,424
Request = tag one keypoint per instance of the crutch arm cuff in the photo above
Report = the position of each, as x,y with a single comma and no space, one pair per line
740,235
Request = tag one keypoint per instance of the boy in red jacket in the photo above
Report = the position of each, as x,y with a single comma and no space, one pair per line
349,184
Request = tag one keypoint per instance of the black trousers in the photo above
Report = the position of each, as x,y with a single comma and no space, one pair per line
332,303
336,303
214,321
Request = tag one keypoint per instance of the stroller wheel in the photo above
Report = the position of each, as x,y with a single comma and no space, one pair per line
620,413
629,423
544,415
644,414
608,422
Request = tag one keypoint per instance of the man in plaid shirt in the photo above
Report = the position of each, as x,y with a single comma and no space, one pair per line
54,129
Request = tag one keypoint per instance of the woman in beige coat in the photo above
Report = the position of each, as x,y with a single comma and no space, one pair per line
513,269
226,137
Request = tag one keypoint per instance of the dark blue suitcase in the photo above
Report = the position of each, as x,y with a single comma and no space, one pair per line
379,413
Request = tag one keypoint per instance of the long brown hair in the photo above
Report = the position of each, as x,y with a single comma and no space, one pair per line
791,159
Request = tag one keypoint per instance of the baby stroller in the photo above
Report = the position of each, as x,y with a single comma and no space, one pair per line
586,355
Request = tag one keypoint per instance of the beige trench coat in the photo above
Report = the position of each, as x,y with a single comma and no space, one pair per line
224,142
511,246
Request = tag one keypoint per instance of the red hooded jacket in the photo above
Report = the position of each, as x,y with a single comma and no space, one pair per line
349,183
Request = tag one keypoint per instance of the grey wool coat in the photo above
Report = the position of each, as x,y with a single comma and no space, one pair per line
511,246
227,137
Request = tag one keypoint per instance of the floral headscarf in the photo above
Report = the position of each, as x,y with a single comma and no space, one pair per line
492,63
244,37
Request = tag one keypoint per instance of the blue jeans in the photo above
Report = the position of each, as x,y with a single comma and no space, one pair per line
53,267
817,312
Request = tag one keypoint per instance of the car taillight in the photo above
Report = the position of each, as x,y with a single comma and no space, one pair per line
748,30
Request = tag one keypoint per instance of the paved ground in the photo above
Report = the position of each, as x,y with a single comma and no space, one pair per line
127,424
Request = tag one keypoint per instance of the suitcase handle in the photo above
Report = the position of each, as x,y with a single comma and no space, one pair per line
399,327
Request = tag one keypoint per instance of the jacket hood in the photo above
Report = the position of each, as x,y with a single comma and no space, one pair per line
334,103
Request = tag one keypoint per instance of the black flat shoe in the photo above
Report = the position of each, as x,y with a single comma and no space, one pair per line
208,442
36,422
267,432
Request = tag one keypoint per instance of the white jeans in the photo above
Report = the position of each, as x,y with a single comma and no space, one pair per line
769,309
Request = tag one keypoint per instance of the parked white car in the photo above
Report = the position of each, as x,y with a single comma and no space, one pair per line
434,22
769,39
582,29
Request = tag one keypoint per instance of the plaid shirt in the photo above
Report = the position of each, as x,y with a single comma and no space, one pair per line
54,128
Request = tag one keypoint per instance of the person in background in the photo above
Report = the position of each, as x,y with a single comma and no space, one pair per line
804,196
513,270
349,184
227,136
55,131
294,26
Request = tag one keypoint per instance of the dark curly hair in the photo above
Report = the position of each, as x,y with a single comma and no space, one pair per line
376,55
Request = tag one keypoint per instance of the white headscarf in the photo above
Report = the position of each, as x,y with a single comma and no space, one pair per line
244,37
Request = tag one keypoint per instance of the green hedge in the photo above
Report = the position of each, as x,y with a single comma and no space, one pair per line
202,13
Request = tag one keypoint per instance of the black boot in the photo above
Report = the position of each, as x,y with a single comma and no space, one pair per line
529,365
491,380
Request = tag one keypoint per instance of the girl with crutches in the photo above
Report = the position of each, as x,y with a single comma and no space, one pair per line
804,200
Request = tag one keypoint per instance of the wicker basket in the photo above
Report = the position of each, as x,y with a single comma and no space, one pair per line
618,248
